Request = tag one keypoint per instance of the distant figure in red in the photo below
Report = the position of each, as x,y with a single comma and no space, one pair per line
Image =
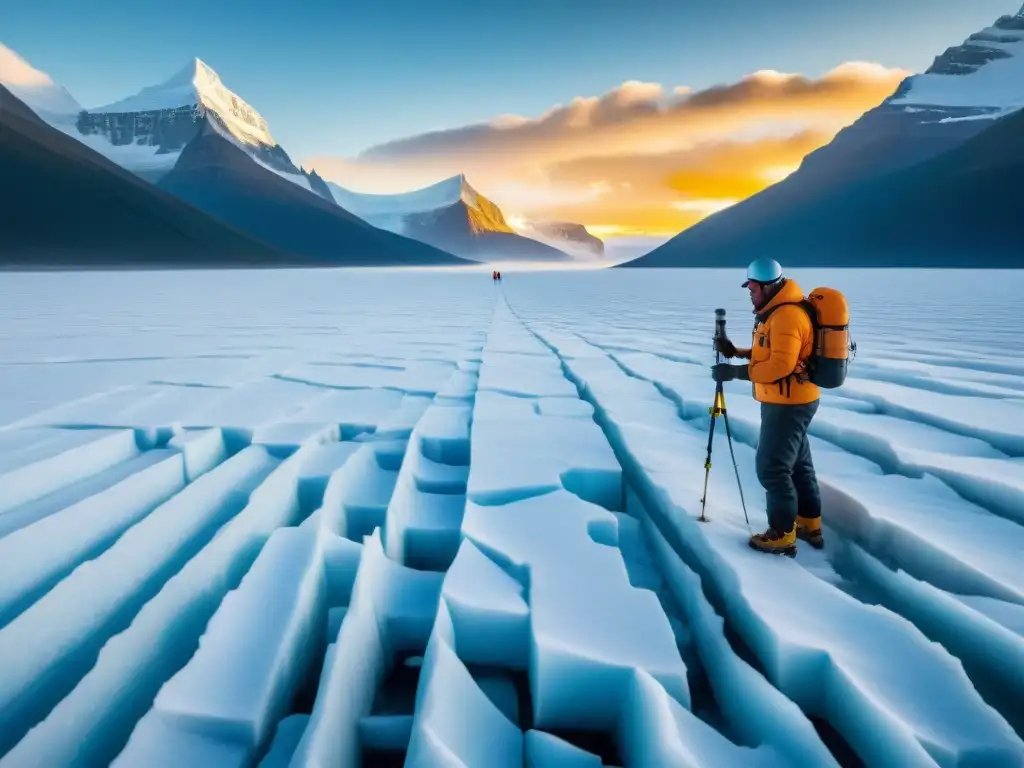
494,274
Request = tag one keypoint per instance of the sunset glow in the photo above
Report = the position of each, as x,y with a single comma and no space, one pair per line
642,159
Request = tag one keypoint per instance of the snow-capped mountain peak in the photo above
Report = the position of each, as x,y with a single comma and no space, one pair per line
568,236
198,85
35,87
982,77
195,71
460,189
438,195
450,214
146,133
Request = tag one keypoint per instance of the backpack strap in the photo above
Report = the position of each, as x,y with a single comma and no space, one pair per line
812,313
803,303
801,373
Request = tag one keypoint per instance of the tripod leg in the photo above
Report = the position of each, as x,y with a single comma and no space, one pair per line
735,466
716,409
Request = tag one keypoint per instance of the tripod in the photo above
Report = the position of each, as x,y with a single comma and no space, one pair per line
718,409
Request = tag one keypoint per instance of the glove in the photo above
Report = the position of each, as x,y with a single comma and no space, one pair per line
727,372
726,347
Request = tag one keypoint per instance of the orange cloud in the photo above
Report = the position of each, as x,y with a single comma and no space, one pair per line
640,158
721,168
668,192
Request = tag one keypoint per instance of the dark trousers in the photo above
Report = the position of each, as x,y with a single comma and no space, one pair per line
784,464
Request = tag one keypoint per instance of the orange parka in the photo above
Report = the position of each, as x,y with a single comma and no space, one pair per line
782,344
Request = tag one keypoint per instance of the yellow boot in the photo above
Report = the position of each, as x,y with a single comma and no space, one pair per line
809,529
775,543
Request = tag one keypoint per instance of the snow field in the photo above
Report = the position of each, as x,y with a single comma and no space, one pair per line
247,668
928,530
404,488
34,558
51,645
92,723
317,533
792,639
755,711
424,515
391,612
991,647
41,508
37,462
515,604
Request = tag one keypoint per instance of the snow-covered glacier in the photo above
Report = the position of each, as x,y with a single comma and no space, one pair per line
418,518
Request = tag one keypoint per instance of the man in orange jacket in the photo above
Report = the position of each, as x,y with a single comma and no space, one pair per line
782,343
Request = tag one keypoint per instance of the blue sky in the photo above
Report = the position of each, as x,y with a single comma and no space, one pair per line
333,78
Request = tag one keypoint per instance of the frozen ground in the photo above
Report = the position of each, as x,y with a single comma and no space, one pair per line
332,519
